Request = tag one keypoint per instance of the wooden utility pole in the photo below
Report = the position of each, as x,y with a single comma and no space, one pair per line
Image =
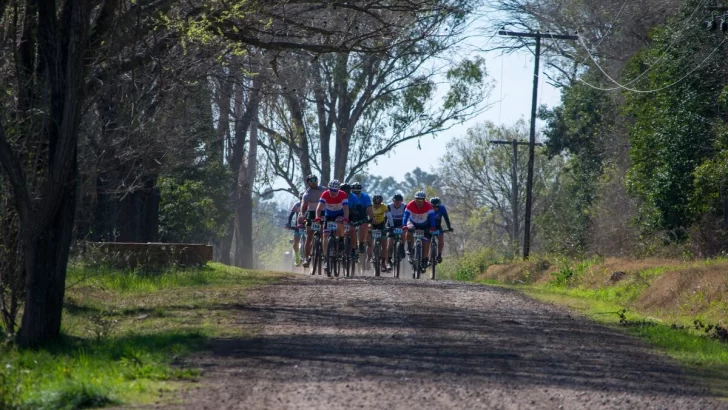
532,138
516,228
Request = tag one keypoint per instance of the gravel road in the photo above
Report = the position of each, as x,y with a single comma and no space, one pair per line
381,343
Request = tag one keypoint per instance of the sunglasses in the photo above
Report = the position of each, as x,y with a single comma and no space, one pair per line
333,191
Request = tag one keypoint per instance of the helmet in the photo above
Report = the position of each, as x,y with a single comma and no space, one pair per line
378,198
435,201
312,178
398,197
345,187
420,195
356,186
334,184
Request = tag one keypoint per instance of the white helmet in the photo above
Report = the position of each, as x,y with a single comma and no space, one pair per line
420,195
334,184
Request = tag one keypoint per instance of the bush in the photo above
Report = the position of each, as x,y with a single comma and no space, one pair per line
469,266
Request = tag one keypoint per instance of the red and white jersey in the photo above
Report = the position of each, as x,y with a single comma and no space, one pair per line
334,203
419,215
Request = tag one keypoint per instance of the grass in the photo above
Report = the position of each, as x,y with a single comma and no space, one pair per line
123,333
659,302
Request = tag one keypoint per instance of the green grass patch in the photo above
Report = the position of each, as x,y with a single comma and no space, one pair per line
123,333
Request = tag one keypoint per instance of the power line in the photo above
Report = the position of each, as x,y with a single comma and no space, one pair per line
678,36
656,89
611,26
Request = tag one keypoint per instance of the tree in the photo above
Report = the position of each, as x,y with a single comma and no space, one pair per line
362,105
673,128
477,181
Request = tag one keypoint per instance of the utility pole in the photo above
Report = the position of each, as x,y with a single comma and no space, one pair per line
516,228
532,138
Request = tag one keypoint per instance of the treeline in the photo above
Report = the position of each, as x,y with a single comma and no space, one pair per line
641,127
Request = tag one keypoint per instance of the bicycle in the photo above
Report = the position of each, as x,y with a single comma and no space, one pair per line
363,263
434,250
377,238
337,256
317,249
418,267
397,251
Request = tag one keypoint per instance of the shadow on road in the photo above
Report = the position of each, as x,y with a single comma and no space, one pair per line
374,329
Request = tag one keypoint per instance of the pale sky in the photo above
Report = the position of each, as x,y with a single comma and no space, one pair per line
513,75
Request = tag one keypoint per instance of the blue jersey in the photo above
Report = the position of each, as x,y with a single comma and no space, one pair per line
441,212
360,202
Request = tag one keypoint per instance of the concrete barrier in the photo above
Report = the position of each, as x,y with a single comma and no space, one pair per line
134,255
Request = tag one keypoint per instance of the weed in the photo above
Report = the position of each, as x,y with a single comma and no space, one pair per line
72,396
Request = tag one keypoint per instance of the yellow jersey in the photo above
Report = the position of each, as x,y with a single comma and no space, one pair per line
380,213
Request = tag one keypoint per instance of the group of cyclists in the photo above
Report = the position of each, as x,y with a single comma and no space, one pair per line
349,205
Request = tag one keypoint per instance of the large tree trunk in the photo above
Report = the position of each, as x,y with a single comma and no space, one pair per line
46,257
244,208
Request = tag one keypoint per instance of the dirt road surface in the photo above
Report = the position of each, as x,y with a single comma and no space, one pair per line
381,343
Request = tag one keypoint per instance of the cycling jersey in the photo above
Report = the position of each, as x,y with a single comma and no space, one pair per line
419,216
440,213
334,205
358,205
381,215
397,213
311,198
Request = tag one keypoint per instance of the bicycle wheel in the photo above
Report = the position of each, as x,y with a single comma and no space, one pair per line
316,268
433,255
377,253
330,255
417,265
396,259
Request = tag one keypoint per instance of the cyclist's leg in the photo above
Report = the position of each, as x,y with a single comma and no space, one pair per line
296,242
309,234
340,227
426,246
365,237
409,239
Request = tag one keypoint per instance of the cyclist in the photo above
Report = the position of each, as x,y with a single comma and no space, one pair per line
381,220
334,205
419,215
309,203
440,213
360,206
296,232
396,210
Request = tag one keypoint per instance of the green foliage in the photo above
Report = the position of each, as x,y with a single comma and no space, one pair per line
672,133
464,78
195,204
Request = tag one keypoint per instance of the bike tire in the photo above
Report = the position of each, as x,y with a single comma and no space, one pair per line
330,256
377,255
396,259
316,268
417,266
433,256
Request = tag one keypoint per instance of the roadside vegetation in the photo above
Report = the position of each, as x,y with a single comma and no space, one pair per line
123,333
678,306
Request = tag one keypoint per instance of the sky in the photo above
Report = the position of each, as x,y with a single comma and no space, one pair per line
513,75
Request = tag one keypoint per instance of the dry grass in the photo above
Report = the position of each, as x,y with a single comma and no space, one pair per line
672,289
